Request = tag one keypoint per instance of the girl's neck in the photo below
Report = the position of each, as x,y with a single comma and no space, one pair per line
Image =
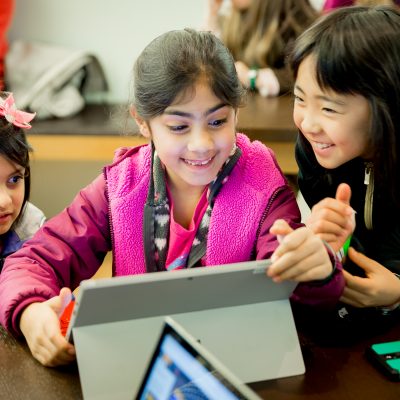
185,203
181,190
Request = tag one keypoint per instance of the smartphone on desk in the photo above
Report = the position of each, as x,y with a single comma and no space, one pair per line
386,357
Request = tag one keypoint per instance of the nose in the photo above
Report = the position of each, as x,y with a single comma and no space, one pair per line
310,123
5,198
200,141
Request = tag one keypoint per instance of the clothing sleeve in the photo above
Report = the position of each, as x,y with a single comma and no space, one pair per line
283,206
332,4
68,248
320,294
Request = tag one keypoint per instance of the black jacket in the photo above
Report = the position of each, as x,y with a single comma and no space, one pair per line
382,243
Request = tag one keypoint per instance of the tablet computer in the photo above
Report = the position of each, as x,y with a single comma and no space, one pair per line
165,293
182,368
234,310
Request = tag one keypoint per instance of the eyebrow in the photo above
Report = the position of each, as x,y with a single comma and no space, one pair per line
322,97
20,171
190,115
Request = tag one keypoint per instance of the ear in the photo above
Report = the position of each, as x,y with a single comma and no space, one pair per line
141,123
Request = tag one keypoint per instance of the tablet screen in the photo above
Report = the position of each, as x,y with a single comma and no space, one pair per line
178,371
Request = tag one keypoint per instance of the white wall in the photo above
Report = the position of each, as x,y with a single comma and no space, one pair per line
114,30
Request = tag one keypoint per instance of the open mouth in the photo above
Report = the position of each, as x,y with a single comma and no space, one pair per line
198,163
322,146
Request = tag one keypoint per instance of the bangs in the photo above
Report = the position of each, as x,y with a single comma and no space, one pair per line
348,61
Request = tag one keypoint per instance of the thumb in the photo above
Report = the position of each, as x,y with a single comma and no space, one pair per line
58,303
280,228
343,193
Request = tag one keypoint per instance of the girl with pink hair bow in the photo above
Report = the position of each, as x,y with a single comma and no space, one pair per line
19,219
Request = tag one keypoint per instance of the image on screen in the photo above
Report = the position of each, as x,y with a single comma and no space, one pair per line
177,372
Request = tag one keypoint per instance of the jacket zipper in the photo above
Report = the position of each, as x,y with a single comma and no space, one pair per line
369,194
264,216
110,221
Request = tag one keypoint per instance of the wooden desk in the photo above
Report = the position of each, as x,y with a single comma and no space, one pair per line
94,134
332,373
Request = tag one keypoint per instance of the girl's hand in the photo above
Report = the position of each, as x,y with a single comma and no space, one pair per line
380,287
41,327
301,255
333,220
267,83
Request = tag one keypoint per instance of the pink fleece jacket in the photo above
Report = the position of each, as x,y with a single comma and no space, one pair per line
235,218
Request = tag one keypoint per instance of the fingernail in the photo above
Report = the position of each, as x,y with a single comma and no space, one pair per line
71,351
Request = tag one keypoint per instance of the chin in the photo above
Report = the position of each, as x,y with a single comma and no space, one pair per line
328,164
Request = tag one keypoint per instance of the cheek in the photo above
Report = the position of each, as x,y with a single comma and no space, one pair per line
226,141
167,149
18,198
297,117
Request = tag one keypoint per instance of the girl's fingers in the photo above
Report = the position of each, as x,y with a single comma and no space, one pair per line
328,237
280,227
354,297
334,205
311,267
300,255
61,358
51,353
328,226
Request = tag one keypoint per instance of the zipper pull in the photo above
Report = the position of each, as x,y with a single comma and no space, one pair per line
367,174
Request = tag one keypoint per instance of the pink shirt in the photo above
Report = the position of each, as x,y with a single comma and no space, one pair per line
180,238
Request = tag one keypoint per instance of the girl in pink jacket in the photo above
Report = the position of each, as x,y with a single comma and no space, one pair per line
199,194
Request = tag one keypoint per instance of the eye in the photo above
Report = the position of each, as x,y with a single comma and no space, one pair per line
329,110
297,98
177,128
218,122
15,179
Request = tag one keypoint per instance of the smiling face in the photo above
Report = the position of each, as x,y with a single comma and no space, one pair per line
12,190
193,137
336,125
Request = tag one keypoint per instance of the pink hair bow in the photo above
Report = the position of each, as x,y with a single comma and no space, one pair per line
18,118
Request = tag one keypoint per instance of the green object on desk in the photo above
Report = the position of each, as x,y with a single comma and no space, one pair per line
346,246
387,348
253,72
395,364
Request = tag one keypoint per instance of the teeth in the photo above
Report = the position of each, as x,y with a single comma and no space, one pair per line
322,145
193,162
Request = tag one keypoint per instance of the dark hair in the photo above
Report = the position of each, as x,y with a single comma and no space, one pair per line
174,62
357,51
15,148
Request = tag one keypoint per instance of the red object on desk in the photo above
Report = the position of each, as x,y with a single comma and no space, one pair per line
66,317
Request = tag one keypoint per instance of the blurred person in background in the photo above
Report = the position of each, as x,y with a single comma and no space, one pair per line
258,33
